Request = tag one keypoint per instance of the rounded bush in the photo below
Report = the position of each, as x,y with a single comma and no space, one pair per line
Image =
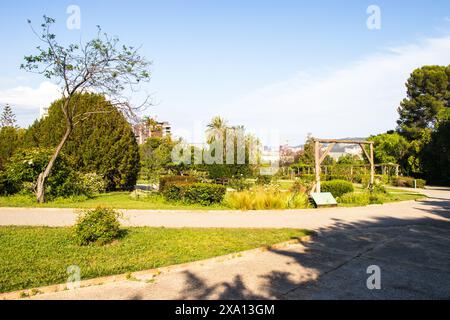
97,226
337,187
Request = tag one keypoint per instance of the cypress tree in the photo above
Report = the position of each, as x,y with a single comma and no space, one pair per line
103,142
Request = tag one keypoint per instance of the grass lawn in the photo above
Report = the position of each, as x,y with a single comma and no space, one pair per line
116,200
123,200
38,256
393,195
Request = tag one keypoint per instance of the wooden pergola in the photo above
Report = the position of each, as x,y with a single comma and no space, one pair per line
318,158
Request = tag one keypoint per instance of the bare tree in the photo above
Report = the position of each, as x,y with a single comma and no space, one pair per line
101,65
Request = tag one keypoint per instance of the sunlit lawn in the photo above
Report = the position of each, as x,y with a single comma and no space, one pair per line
116,200
38,256
123,200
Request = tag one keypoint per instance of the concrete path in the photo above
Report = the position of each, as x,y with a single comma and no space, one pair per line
305,218
409,242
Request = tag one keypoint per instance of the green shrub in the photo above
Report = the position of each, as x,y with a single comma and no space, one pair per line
379,188
202,193
173,191
298,200
300,186
97,226
240,184
6,186
91,183
165,180
25,166
408,182
361,198
378,179
337,187
263,180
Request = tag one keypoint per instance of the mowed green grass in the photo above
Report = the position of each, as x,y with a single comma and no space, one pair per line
122,200
38,256
115,200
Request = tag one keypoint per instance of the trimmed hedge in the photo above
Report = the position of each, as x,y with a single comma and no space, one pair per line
337,187
202,193
408,182
170,180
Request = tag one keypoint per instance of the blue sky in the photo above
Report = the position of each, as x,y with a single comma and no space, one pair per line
297,67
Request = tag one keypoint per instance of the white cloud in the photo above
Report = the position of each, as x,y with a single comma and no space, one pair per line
28,98
356,100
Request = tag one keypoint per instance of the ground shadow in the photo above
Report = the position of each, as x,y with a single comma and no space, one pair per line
412,254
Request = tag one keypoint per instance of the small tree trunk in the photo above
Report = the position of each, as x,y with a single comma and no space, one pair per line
40,188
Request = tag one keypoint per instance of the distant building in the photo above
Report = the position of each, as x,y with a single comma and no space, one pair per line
353,150
148,128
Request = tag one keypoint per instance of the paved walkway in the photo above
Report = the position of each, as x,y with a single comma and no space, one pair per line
409,242
304,218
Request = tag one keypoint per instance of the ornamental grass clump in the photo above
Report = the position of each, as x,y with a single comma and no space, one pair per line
264,198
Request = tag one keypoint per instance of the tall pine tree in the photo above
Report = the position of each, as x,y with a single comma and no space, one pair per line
7,119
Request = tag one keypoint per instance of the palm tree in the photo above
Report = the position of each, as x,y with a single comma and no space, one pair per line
217,126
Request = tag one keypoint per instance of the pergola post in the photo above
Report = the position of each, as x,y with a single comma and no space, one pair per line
317,163
372,166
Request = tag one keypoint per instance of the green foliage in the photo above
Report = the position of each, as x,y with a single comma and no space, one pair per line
379,179
263,180
306,156
219,135
240,184
264,198
361,198
202,193
408,182
155,156
10,140
6,186
92,183
300,186
428,100
389,148
337,187
349,159
26,164
379,188
170,180
102,143
424,115
436,155
97,226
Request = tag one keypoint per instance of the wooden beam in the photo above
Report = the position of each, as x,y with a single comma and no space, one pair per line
327,150
342,141
367,155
